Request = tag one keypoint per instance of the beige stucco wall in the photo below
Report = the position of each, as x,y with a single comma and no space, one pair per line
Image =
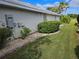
2,19
27,18
51,18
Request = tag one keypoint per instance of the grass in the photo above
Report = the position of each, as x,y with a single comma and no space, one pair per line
58,46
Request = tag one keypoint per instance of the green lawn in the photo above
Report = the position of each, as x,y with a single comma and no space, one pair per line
58,46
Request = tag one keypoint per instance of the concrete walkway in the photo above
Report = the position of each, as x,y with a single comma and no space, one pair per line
13,45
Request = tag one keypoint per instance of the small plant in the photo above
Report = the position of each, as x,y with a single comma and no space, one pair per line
24,32
48,26
5,33
65,19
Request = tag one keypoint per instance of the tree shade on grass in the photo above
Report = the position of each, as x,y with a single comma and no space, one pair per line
58,46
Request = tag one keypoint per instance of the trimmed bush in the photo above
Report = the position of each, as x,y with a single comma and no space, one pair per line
5,33
78,19
65,19
25,32
48,27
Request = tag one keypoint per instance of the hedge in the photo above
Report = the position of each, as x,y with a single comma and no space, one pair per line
48,26
5,33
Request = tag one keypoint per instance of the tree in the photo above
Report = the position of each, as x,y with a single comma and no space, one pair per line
62,6
73,15
54,9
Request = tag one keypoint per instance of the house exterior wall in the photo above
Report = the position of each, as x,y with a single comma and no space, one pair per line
26,18
2,18
57,18
51,18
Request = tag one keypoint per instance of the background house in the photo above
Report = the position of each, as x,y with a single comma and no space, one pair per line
16,14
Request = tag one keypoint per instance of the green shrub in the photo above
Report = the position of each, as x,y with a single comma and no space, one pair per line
48,27
24,32
65,19
78,19
5,33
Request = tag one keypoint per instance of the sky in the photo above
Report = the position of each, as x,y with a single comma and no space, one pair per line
43,4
